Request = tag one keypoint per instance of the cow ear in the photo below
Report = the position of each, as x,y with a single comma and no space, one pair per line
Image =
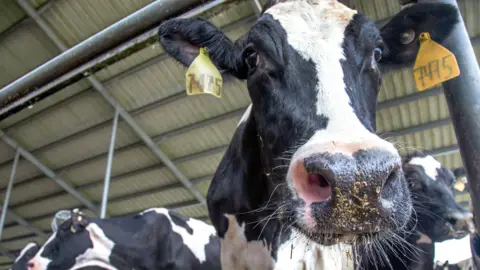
183,38
238,184
401,33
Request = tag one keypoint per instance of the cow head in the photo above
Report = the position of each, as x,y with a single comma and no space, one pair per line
77,243
306,152
25,255
438,215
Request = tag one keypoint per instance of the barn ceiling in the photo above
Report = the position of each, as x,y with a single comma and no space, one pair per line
69,132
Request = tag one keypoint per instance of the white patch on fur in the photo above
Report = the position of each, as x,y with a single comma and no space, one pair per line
24,250
238,253
39,261
102,248
197,241
245,115
454,250
429,164
424,239
309,255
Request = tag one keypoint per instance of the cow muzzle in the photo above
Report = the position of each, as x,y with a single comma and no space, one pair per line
350,188
459,224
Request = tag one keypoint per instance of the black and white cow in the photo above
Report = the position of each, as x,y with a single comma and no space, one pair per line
437,217
305,159
153,239
25,255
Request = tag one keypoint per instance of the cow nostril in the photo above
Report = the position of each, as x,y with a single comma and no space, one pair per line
30,265
316,179
391,178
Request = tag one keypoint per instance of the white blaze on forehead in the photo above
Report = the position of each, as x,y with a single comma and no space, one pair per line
102,247
40,261
245,115
301,252
316,29
429,164
24,250
196,241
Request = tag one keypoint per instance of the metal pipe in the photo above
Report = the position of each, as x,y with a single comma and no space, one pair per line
147,140
463,98
77,63
111,36
9,191
108,172
47,171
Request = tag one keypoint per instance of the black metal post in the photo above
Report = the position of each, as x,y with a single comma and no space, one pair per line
463,98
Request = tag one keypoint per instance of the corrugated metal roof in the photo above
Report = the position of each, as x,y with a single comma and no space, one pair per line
70,130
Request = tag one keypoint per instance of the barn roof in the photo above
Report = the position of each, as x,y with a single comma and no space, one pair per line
69,132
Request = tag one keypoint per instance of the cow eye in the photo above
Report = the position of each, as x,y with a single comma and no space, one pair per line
377,53
251,58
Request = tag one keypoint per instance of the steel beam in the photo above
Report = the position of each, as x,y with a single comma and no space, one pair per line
9,191
108,172
21,221
97,85
463,98
147,140
76,63
111,36
47,171
201,154
157,139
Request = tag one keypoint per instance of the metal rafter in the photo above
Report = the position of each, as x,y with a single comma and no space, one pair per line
47,171
74,64
201,154
97,85
157,139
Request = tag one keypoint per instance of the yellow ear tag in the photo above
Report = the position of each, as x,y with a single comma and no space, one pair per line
459,185
203,77
434,64
72,229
